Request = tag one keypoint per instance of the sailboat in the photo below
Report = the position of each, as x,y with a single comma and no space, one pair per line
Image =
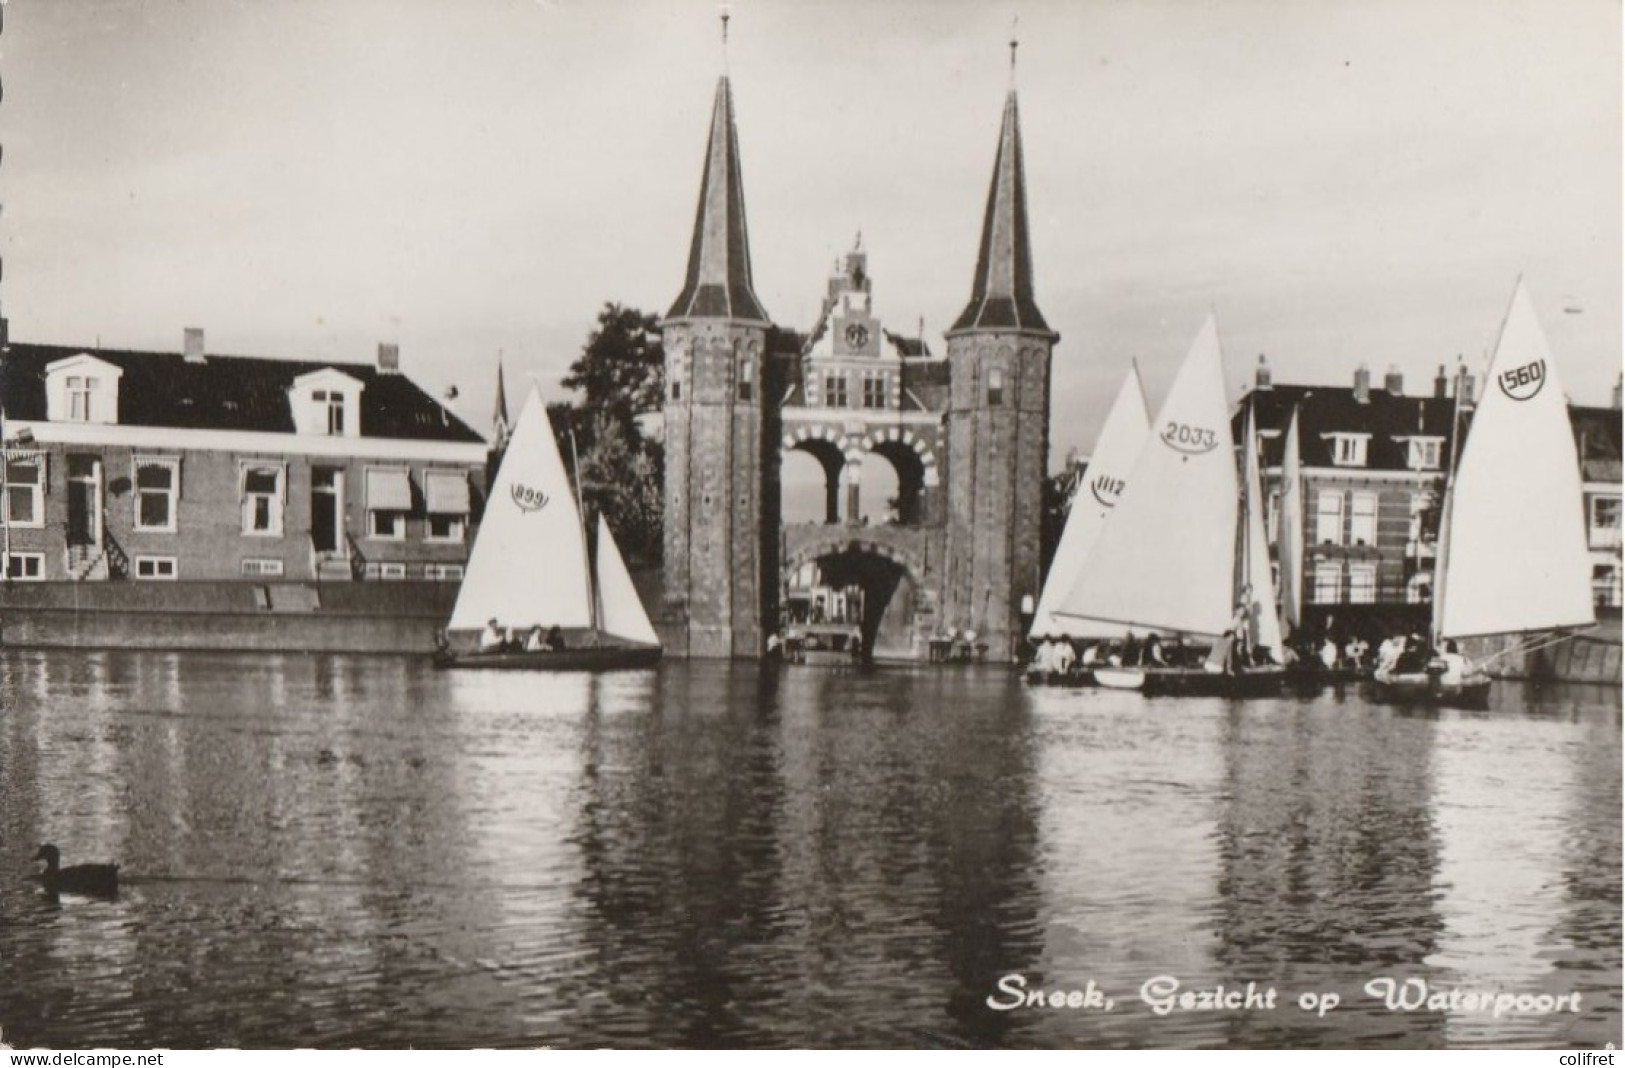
1121,439
1182,555
1512,555
533,567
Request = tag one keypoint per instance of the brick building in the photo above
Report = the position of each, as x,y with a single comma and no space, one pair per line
1374,460
190,469
966,433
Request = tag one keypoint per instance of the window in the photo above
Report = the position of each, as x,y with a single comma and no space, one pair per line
1605,516
1348,450
446,499
445,528
329,410
261,566
1424,453
389,499
1362,583
25,490
443,572
155,568
157,487
995,387
874,389
1605,585
1363,518
81,388
676,390
835,391
379,570
264,493
1329,517
1328,583
744,382
25,567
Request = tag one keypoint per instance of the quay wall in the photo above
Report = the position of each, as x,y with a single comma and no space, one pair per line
335,617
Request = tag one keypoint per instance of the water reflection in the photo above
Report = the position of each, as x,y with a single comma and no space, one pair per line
361,851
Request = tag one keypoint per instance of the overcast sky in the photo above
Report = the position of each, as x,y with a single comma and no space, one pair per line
1343,182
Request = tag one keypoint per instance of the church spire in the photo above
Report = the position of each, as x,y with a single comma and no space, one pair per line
500,425
1002,292
718,284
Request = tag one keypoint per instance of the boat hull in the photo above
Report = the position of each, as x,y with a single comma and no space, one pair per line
1199,682
1427,689
592,658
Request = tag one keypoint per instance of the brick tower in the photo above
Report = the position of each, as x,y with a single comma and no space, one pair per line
999,351
721,577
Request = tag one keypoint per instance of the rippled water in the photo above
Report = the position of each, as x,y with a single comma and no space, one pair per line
366,852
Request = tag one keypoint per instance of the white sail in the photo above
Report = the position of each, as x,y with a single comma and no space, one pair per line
1516,556
1255,586
621,613
528,566
1119,445
1289,530
1167,559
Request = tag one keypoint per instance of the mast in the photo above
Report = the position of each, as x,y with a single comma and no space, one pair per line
586,549
1441,558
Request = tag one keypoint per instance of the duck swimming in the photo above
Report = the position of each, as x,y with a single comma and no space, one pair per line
78,879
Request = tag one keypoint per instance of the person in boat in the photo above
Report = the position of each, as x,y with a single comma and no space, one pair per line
534,641
1388,653
1455,665
1063,656
1413,659
555,639
491,639
1328,654
1152,653
1355,652
1091,655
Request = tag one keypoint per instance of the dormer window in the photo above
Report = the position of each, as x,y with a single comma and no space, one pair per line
326,402
1424,454
330,407
1348,450
81,389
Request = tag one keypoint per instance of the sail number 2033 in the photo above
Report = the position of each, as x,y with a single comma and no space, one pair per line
1186,438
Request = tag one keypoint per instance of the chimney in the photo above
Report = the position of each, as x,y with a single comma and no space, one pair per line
1441,384
1261,377
1362,384
389,358
1393,381
1619,383
193,349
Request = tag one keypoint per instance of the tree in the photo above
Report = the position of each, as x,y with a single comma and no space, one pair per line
619,376
621,370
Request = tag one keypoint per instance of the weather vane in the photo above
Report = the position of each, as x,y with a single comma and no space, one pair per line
1015,41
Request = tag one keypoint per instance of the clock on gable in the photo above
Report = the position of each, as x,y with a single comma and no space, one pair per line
857,335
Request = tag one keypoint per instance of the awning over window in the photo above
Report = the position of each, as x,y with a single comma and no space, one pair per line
446,492
389,491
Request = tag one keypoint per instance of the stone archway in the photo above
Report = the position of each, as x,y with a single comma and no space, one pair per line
891,582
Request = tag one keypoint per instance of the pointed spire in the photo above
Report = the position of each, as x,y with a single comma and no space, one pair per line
718,284
501,426
1002,292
